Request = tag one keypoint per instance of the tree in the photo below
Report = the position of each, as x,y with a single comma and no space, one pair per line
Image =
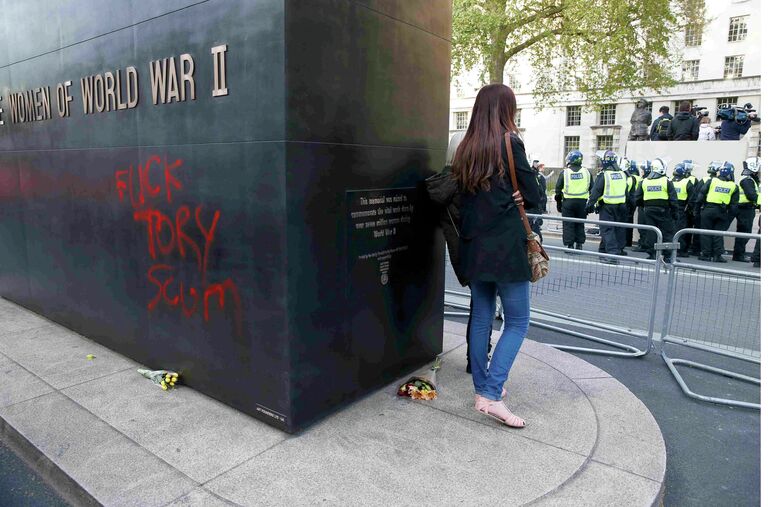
597,48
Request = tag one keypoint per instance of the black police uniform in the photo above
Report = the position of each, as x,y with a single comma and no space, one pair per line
660,213
573,233
631,207
684,216
613,236
745,215
715,217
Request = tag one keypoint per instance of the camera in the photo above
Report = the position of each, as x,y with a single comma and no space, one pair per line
732,112
700,111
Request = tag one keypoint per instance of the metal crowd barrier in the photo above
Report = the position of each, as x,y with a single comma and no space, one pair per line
737,296
618,298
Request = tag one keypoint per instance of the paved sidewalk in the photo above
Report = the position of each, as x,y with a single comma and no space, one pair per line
105,434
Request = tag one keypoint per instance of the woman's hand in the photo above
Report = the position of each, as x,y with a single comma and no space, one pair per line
517,197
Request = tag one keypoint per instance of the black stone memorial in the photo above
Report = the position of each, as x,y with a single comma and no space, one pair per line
230,188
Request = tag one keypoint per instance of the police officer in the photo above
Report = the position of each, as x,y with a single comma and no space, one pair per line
749,200
689,218
571,194
712,170
611,186
633,179
658,197
645,244
717,202
684,187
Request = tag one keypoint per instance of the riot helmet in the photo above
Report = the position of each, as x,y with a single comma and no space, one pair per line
679,170
645,167
574,159
751,166
726,172
610,161
713,167
658,167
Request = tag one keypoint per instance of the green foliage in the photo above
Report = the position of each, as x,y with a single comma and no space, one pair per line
597,48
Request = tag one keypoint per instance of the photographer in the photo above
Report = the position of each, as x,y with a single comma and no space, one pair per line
684,126
736,121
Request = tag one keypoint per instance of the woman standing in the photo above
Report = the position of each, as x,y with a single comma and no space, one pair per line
493,255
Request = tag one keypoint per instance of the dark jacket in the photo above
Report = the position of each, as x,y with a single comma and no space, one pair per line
732,131
655,126
493,243
684,127
442,189
541,208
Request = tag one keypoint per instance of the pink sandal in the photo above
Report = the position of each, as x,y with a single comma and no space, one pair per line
499,411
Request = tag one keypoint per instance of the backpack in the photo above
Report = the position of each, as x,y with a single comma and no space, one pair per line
662,129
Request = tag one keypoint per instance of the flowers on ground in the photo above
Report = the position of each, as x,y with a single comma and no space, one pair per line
423,385
164,378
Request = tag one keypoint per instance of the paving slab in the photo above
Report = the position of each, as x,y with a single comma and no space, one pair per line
59,356
555,409
13,318
629,437
123,441
17,384
199,497
602,485
110,466
197,435
390,451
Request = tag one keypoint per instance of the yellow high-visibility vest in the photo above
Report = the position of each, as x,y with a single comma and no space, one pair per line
655,189
743,196
615,190
681,187
720,191
576,183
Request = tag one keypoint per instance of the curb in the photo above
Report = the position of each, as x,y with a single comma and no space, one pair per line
69,489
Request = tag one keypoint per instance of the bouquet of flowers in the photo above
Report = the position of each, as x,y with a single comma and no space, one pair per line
164,378
423,385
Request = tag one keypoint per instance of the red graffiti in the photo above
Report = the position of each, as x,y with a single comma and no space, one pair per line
174,237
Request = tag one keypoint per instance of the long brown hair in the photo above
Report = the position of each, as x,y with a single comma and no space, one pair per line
480,152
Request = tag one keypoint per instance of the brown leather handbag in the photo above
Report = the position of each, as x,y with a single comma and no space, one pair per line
538,259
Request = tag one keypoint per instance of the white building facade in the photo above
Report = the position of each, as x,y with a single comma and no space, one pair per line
720,64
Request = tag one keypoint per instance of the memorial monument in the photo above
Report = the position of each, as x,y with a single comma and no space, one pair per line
230,188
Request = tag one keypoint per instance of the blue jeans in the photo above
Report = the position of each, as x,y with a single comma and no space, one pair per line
515,298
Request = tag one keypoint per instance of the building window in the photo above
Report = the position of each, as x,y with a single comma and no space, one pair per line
572,116
649,106
571,143
737,29
514,83
690,70
734,66
604,143
608,114
693,35
727,101
519,118
462,120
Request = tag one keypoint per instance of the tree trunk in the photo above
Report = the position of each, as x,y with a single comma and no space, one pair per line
496,68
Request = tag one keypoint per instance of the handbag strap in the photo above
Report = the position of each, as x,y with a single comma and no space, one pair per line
513,176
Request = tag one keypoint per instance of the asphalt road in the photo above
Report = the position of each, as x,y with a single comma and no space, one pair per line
713,451
20,486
